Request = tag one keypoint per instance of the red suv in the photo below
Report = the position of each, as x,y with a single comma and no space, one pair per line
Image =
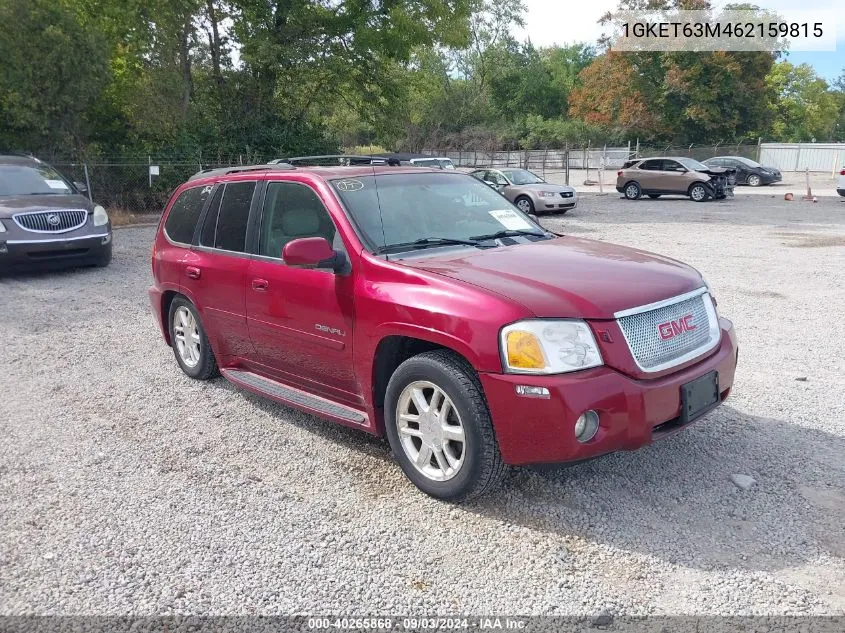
421,305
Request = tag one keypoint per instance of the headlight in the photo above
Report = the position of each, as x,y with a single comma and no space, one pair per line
548,347
546,194
100,216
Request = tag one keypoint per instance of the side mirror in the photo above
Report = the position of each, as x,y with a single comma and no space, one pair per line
80,186
313,252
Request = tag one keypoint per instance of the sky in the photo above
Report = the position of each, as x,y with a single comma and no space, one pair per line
550,22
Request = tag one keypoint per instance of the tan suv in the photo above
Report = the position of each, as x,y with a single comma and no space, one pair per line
672,175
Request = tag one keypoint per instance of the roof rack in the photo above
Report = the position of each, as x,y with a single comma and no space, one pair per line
341,160
224,171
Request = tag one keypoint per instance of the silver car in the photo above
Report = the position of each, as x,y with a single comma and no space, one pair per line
528,191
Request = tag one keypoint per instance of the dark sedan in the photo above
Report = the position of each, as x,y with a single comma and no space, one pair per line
46,221
748,172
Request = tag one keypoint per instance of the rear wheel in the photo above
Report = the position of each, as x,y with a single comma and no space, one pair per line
439,427
754,180
524,204
190,344
633,191
698,192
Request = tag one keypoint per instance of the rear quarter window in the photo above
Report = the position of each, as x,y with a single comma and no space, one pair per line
184,214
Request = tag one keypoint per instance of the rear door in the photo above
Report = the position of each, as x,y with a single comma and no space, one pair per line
216,269
648,174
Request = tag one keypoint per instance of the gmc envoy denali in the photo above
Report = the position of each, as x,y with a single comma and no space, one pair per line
421,305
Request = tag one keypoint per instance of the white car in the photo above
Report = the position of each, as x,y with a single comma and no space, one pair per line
840,186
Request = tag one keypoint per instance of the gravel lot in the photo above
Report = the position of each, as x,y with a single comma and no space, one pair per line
125,487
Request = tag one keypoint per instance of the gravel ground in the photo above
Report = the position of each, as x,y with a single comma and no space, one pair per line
126,488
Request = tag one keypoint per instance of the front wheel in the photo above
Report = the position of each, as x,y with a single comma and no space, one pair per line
698,192
439,427
754,180
524,204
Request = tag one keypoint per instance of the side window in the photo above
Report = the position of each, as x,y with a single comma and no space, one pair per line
497,178
651,165
673,165
292,211
184,214
227,217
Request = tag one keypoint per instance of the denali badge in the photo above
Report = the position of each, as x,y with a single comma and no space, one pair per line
329,330
671,329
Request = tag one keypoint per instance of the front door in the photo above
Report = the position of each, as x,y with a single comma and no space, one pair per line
300,320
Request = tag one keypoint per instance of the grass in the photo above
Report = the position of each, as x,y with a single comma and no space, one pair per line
122,217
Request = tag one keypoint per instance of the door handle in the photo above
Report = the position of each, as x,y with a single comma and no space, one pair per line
260,285
193,272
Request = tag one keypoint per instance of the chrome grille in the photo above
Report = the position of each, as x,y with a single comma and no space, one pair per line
566,194
654,351
53,221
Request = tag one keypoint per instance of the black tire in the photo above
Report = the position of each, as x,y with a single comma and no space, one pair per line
694,190
524,199
754,180
206,368
482,468
654,196
633,191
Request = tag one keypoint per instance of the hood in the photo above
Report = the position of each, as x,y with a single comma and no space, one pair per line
10,205
568,276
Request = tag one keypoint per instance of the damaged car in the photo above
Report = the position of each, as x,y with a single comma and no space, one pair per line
661,176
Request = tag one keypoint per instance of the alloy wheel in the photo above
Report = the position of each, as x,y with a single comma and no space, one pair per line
430,430
187,336
698,193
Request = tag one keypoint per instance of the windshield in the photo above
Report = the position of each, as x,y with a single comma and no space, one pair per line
521,177
692,164
393,209
31,180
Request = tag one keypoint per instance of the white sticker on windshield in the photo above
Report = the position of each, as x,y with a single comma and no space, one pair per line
56,184
510,220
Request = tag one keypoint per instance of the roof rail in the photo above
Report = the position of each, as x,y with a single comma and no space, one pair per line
225,171
342,159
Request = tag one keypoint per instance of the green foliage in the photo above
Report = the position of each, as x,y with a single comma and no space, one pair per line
804,109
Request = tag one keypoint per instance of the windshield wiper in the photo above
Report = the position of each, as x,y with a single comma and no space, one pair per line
426,242
507,233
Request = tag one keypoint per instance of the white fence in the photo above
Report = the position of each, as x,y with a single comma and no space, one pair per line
825,157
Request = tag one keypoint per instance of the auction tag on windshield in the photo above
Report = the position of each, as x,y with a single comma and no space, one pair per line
56,184
510,220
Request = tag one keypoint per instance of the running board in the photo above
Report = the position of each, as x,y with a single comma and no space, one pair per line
295,397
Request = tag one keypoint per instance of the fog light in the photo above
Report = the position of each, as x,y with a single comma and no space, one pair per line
587,426
3,248
106,239
529,391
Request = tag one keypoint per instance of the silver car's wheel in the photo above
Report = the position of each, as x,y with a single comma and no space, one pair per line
698,193
187,336
754,180
430,431
524,205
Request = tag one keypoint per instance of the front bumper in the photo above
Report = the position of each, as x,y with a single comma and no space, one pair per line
632,413
556,203
841,192
51,251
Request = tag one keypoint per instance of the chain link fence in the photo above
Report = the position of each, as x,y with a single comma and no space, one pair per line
139,187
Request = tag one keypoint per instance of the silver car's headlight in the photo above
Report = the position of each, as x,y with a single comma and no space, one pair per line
548,347
100,216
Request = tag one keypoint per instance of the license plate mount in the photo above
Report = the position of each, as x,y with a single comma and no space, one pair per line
699,396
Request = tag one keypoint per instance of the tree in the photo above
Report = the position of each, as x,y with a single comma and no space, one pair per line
804,108
54,68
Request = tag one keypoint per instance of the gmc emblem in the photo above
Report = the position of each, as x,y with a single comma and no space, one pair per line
671,329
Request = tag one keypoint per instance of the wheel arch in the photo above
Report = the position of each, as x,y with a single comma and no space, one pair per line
394,349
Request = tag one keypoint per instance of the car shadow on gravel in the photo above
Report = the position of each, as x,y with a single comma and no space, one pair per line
675,499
